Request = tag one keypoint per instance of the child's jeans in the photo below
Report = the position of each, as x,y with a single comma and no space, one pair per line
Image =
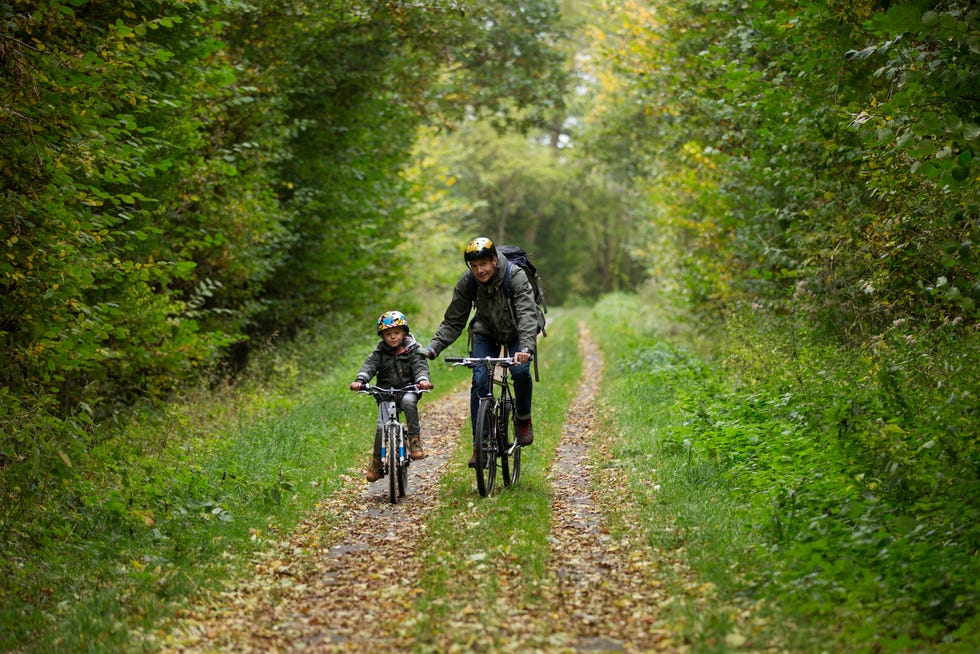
409,407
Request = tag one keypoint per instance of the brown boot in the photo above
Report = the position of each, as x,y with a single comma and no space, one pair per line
525,433
374,470
415,447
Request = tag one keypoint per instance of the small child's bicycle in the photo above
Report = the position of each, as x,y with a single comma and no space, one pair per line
395,458
496,425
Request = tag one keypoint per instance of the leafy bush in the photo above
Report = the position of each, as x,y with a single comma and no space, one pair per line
183,180
170,498
857,469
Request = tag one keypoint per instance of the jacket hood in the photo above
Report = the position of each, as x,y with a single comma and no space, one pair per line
408,345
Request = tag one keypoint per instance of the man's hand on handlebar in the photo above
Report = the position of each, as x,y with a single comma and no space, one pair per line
356,386
522,357
424,385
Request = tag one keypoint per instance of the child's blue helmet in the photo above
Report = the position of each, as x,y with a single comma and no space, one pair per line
390,319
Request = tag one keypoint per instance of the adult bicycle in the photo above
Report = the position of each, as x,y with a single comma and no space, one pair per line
395,457
495,429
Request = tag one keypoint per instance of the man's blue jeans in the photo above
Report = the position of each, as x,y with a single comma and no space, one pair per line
486,346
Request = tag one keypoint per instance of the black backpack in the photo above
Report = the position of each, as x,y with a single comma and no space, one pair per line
516,256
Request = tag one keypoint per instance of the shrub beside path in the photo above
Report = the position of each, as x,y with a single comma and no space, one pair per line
348,573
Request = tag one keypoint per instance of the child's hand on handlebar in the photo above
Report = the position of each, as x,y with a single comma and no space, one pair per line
356,386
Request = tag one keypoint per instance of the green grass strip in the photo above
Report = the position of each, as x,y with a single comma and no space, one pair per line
678,498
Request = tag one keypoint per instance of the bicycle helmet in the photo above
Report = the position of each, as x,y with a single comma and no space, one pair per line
390,319
479,248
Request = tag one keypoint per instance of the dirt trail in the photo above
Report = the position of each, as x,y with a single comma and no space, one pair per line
605,591
600,595
312,596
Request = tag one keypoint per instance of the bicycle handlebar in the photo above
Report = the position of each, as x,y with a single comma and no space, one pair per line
378,390
472,361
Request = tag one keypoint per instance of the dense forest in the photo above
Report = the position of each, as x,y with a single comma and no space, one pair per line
793,182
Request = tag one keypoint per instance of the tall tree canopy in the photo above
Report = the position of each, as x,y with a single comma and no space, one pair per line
817,153
179,177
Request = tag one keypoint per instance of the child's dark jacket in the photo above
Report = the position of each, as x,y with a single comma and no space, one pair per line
395,368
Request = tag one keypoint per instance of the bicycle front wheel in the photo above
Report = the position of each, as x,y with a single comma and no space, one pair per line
391,436
510,456
403,461
485,447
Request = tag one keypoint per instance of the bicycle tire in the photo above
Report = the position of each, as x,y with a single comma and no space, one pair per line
391,436
484,445
510,465
404,462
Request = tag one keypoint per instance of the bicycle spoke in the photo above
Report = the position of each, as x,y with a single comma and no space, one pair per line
485,449
510,452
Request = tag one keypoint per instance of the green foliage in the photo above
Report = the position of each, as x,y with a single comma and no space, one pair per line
811,169
847,478
506,63
815,155
87,313
576,222
180,178
896,501
174,500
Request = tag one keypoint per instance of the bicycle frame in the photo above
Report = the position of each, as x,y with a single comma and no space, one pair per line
389,423
495,418
395,458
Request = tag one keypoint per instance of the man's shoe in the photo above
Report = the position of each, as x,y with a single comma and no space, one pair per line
472,462
415,447
374,470
525,432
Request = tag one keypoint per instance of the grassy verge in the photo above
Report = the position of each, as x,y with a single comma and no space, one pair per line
800,485
477,548
681,500
174,500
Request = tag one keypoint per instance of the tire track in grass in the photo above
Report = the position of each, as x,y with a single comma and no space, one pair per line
605,590
347,573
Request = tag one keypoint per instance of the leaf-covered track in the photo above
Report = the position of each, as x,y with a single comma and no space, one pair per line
345,574
606,590
349,576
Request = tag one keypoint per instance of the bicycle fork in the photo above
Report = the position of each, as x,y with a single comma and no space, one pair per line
388,413
506,418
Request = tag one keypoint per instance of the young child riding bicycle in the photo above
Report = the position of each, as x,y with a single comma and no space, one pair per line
397,362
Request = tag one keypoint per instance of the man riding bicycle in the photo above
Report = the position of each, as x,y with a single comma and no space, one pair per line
504,318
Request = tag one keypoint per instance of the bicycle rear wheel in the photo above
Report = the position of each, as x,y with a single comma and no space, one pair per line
485,448
510,464
391,437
